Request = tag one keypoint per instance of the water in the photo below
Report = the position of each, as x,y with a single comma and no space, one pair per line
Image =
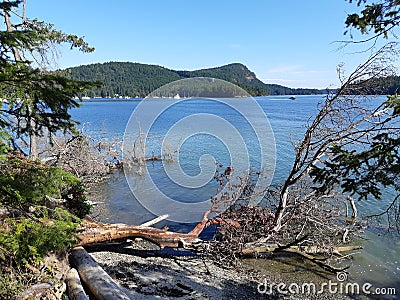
378,263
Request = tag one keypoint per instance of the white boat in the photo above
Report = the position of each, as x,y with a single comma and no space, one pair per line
177,96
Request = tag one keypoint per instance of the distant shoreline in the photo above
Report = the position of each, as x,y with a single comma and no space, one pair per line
137,99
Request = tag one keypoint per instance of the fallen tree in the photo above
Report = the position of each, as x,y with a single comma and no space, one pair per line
96,232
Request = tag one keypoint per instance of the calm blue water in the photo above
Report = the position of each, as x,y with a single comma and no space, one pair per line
380,261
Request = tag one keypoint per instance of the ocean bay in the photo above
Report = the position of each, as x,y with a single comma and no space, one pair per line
378,263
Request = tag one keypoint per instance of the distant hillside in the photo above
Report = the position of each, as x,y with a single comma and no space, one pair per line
138,80
378,86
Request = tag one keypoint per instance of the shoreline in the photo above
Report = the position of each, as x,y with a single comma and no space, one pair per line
145,272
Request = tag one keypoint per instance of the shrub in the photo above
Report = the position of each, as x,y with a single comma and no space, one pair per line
24,182
25,240
33,225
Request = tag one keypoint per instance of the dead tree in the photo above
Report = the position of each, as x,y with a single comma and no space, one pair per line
343,120
303,212
81,154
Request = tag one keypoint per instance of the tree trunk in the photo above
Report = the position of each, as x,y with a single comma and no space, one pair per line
280,210
33,142
33,139
10,28
353,207
309,250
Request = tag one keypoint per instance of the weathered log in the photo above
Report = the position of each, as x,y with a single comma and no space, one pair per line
96,279
308,249
74,286
317,261
305,252
96,232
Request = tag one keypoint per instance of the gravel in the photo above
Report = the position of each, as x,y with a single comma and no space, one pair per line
148,273
145,272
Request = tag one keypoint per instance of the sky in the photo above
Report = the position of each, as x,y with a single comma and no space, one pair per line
287,42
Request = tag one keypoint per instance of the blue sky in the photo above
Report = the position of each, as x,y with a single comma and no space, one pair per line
291,43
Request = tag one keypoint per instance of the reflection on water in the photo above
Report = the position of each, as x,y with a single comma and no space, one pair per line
115,203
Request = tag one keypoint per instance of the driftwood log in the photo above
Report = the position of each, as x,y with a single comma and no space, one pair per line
36,291
101,285
96,232
74,286
295,249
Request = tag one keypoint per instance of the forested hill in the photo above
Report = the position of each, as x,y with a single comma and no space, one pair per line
138,80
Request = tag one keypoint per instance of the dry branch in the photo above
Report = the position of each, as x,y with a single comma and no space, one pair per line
154,221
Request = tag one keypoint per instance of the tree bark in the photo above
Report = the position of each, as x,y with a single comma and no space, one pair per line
10,28
353,207
33,138
97,232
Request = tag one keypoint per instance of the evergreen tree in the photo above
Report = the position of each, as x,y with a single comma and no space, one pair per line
35,100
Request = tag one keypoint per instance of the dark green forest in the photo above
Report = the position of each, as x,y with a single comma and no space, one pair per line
377,86
128,79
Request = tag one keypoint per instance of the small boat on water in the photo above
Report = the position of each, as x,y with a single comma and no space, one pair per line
292,98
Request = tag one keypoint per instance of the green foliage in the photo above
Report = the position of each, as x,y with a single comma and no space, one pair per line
26,240
366,165
139,80
366,170
378,18
4,147
376,86
24,182
40,206
27,188
10,286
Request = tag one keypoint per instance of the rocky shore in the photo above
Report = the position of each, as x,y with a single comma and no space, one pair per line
148,273
145,272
